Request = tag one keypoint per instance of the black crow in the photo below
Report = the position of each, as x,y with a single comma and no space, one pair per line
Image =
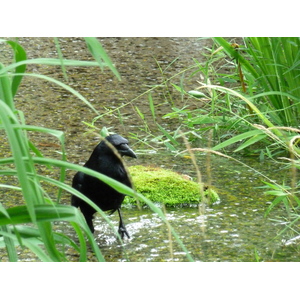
104,160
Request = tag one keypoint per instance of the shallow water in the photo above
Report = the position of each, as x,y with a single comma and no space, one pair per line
233,230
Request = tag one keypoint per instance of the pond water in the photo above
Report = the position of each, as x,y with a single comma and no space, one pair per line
233,230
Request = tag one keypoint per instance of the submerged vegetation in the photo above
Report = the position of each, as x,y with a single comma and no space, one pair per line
246,102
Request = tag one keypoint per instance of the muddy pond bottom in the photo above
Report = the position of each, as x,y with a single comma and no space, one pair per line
216,234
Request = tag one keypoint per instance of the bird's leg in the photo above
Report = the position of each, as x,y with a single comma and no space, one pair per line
122,229
89,221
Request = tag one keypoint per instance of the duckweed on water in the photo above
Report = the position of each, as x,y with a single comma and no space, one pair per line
168,187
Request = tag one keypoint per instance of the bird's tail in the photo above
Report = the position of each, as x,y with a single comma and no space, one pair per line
112,211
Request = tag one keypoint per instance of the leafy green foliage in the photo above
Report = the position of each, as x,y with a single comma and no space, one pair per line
259,92
272,65
251,108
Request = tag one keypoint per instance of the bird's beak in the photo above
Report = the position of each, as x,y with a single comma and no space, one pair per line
126,150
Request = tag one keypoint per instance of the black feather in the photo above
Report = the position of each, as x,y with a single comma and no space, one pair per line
105,160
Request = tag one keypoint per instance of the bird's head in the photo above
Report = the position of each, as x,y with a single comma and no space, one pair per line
121,145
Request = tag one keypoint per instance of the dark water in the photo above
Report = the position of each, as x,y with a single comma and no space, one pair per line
233,230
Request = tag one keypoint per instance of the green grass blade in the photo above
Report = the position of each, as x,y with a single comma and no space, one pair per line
237,138
234,53
9,244
100,55
141,115
44,213
50,213
83,248
47,235
151,104
29,243
20,55
66,87
60,56
50,62
20,151
5,89
251,141
165,132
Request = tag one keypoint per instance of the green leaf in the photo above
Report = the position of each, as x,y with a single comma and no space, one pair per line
5,89
197,94
43,212
237,138
170,146
151,104
9,244
167,135
65,86
251,141
20,151
139,113
50,62
276,201
20,55
60,55
178,88
276,193
206,119
100,55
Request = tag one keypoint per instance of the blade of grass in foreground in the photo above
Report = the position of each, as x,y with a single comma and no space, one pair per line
30,184
5,90
65,86
20,55
50,213
9,244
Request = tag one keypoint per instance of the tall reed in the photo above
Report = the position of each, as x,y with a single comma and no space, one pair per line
271,67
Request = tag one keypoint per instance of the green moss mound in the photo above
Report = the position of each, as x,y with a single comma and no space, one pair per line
168,187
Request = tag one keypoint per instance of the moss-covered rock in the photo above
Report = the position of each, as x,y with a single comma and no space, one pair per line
168,187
